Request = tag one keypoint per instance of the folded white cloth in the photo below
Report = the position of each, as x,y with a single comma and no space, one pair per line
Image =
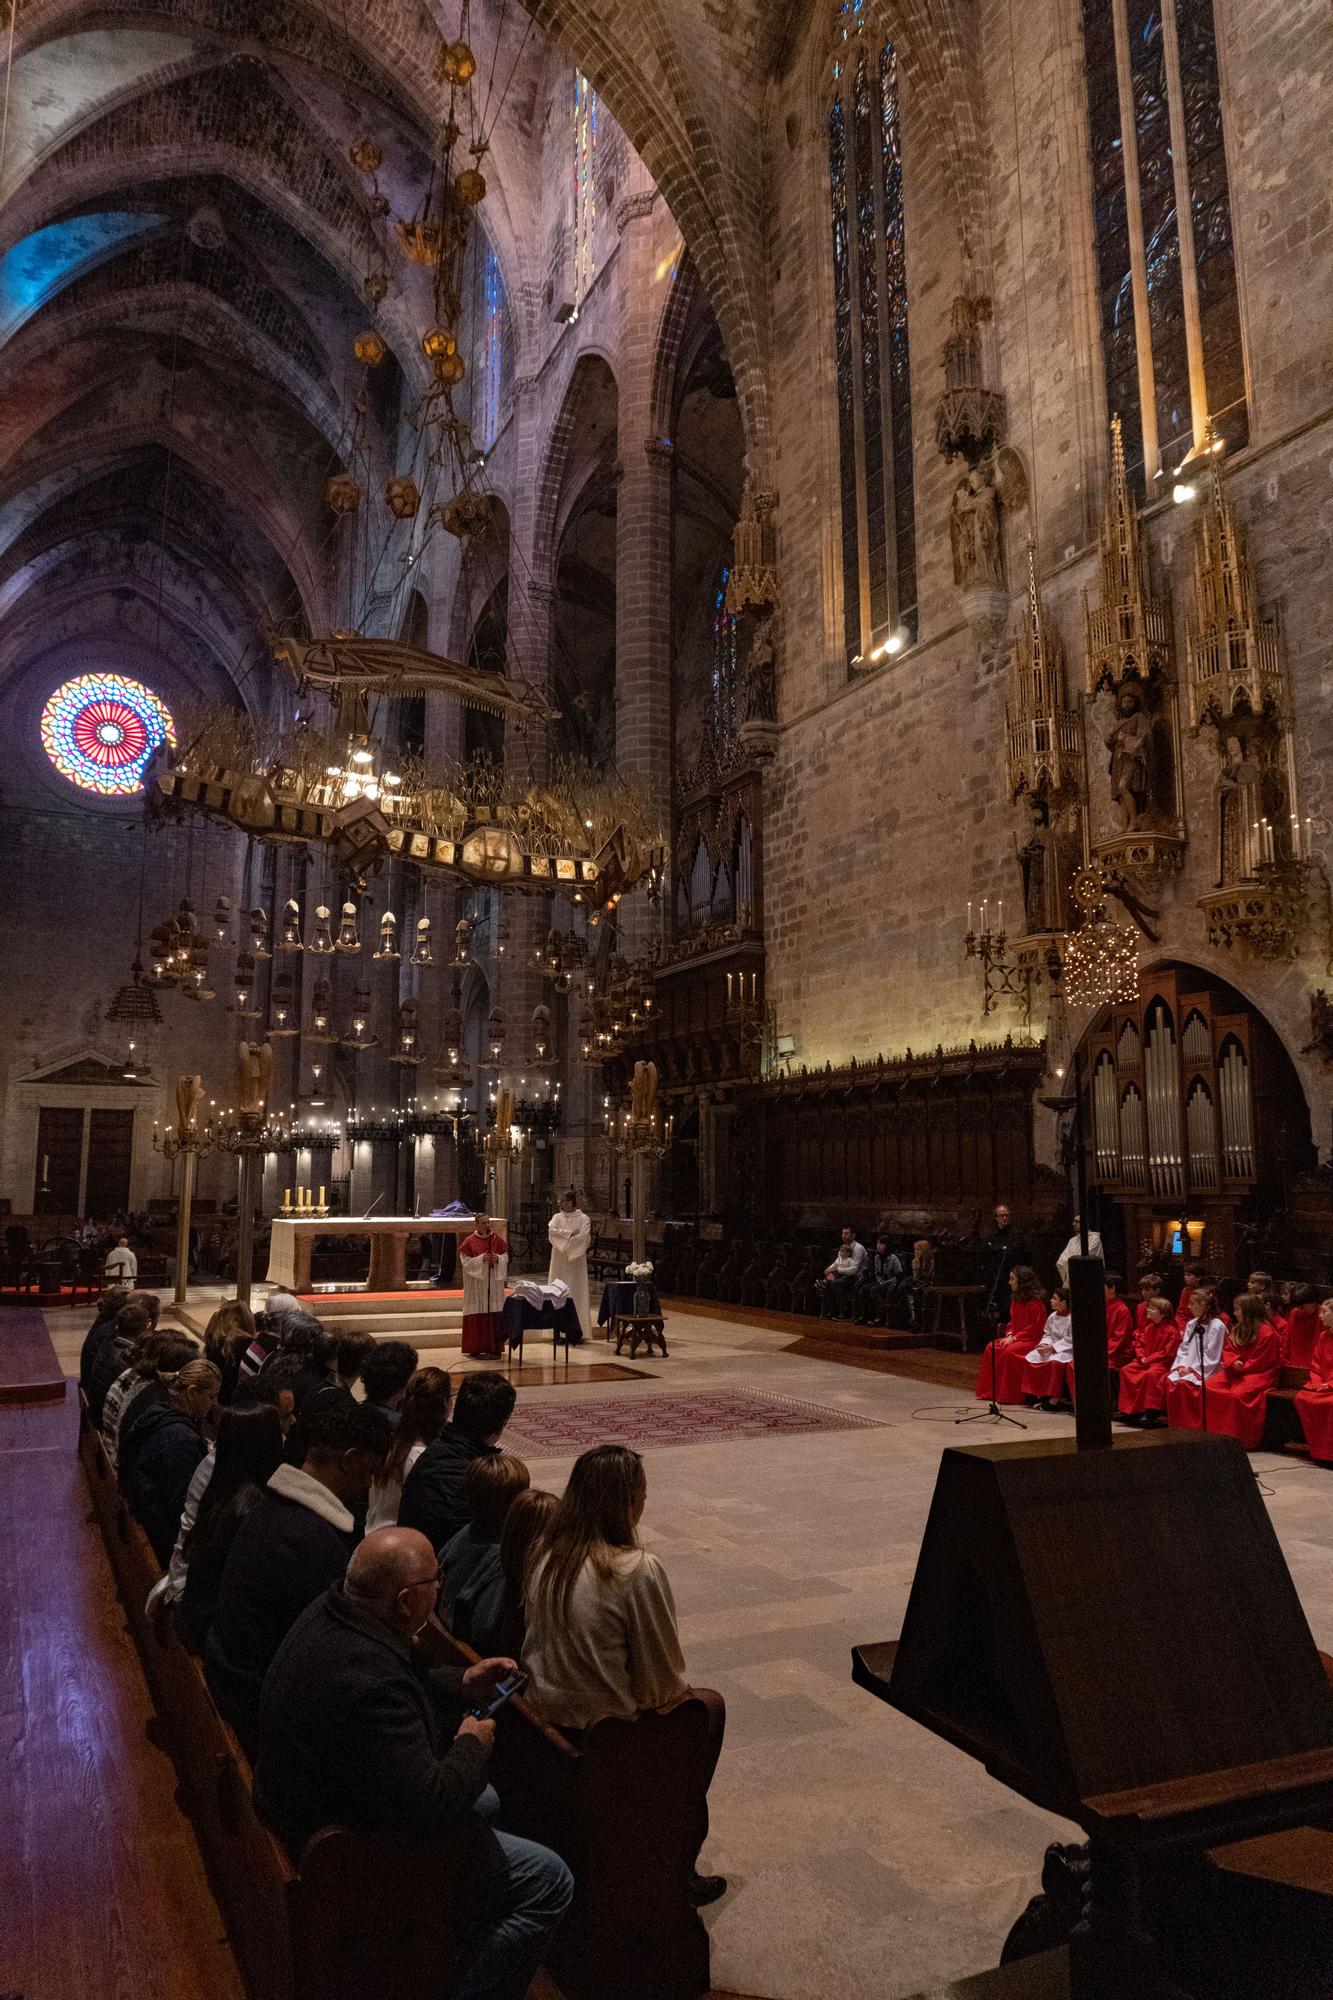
537,1293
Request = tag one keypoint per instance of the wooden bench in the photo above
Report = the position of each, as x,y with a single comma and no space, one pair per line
321,1933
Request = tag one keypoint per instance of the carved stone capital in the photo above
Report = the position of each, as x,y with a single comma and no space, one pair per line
659,449
759,740
985,607
634,207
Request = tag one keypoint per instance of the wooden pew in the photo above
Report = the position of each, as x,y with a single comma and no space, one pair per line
625,1811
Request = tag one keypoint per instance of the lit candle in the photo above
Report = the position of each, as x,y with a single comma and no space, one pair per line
969,919
321,1195
999,915
984,901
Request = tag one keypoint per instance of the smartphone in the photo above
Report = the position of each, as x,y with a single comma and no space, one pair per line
511,1684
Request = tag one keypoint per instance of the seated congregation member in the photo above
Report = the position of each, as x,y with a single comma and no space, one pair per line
1304,1320
351,1358
102,1330
1238,1393
226,1337
1142,1399
355,1730
841,1277
484,1257
602,1638
433,1500
1046,1367
1314,1403
1199,1355
472,1582
920,1278
282,1313
293,1545
157,1352
1005,1357
161,1444
1119,1323
425,1409
234,1477
500,1625
135,1318
880,1279
385,1374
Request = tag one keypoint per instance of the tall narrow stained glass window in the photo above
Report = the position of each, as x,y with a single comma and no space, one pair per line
585,185
492,348
1166,272
722,687
871,349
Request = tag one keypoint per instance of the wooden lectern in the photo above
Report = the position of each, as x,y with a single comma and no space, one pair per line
1114,1633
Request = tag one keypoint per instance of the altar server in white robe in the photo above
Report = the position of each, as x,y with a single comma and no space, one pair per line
571,1238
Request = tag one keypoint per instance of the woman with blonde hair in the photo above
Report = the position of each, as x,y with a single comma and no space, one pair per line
602,1638
1237,1394
161,1446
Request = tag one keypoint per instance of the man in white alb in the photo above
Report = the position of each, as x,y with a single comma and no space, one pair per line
1074,1249
122,1266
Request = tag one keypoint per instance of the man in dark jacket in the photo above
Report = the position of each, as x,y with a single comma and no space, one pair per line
356,1731
114,1354
288,1551
1004,1250
102,1329
433,1499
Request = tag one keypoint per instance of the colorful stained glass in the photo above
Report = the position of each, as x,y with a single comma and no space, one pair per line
1210,212
1161,231
722,691
100,731
585,185
492,348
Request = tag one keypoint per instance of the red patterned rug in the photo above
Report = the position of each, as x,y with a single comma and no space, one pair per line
646,1421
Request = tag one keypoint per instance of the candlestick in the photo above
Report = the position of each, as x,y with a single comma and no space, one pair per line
999,915
969,919
321,1194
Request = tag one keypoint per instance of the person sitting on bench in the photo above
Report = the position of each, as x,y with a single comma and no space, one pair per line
356,1731
472,1582
841,1277
433,1499
879,1281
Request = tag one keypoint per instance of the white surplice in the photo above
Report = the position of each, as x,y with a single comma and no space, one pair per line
571,1238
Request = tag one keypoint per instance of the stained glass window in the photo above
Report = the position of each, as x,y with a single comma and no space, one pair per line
1166,282
585,185
722,690
100,731
871,348
491,346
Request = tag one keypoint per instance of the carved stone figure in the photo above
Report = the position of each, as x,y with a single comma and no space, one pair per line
643,1093
189,1096
761,674
1042,865
974,530
254,1065
1130,743
1252,814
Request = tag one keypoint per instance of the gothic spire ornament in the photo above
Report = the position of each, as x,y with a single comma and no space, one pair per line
1043,733
1128,630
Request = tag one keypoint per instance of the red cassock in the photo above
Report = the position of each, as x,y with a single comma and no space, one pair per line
1119,1333
1314,1403
1237,1394
1302,1336
1143,1380
483,1292
1008,1357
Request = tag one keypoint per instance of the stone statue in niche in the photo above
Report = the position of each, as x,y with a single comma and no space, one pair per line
761,673
1130,743
1253,825
1042,864
974,530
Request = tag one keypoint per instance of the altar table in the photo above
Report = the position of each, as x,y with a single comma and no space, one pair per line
294,1237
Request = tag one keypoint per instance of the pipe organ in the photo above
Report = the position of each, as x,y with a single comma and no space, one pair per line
1172,1099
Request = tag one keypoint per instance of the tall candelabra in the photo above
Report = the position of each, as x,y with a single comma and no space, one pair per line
188,1143
1001,977
645,1138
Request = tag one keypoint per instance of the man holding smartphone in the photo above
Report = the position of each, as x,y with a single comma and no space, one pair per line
353,1732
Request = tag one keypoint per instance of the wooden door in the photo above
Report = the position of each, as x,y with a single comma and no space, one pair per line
110,1143
59,1157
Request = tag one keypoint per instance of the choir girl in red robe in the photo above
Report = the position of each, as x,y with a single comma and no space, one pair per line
1143,1380
1002,1364
1303,1324
1046,1369
1197,1364
1314,1403
1238,1392
1263,1283
1119,1323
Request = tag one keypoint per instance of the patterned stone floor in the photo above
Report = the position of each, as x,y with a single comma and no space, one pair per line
866,1858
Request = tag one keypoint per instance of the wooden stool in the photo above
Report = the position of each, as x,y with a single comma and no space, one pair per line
636,1328
959,1294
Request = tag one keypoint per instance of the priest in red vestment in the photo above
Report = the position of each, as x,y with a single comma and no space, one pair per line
1002,1364
484,1258
1238,1392
1143,1380
1314,1403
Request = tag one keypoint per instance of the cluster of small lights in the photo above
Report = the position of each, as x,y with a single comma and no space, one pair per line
100,730
1101,964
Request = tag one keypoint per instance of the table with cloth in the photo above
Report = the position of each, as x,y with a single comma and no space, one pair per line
520,1316
618,1301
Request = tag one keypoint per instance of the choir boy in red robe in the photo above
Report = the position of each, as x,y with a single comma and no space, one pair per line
484,1257
1314,1403
1303,1323
1143,1380
1264,1283
1238,1392
1119,1323
1150,1287
1002,1364
1046,1368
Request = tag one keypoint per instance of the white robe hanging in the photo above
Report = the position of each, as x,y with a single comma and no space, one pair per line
571,1238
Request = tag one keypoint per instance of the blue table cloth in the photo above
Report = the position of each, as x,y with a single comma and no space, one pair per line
618,1297
519,1317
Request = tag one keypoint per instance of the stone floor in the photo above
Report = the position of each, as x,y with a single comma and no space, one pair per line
865,1857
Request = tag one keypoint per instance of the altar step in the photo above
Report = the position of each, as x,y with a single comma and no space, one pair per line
426,1317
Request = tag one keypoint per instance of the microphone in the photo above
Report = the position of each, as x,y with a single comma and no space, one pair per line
373,1206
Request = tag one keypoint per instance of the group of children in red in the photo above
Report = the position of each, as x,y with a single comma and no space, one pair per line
1191,1365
